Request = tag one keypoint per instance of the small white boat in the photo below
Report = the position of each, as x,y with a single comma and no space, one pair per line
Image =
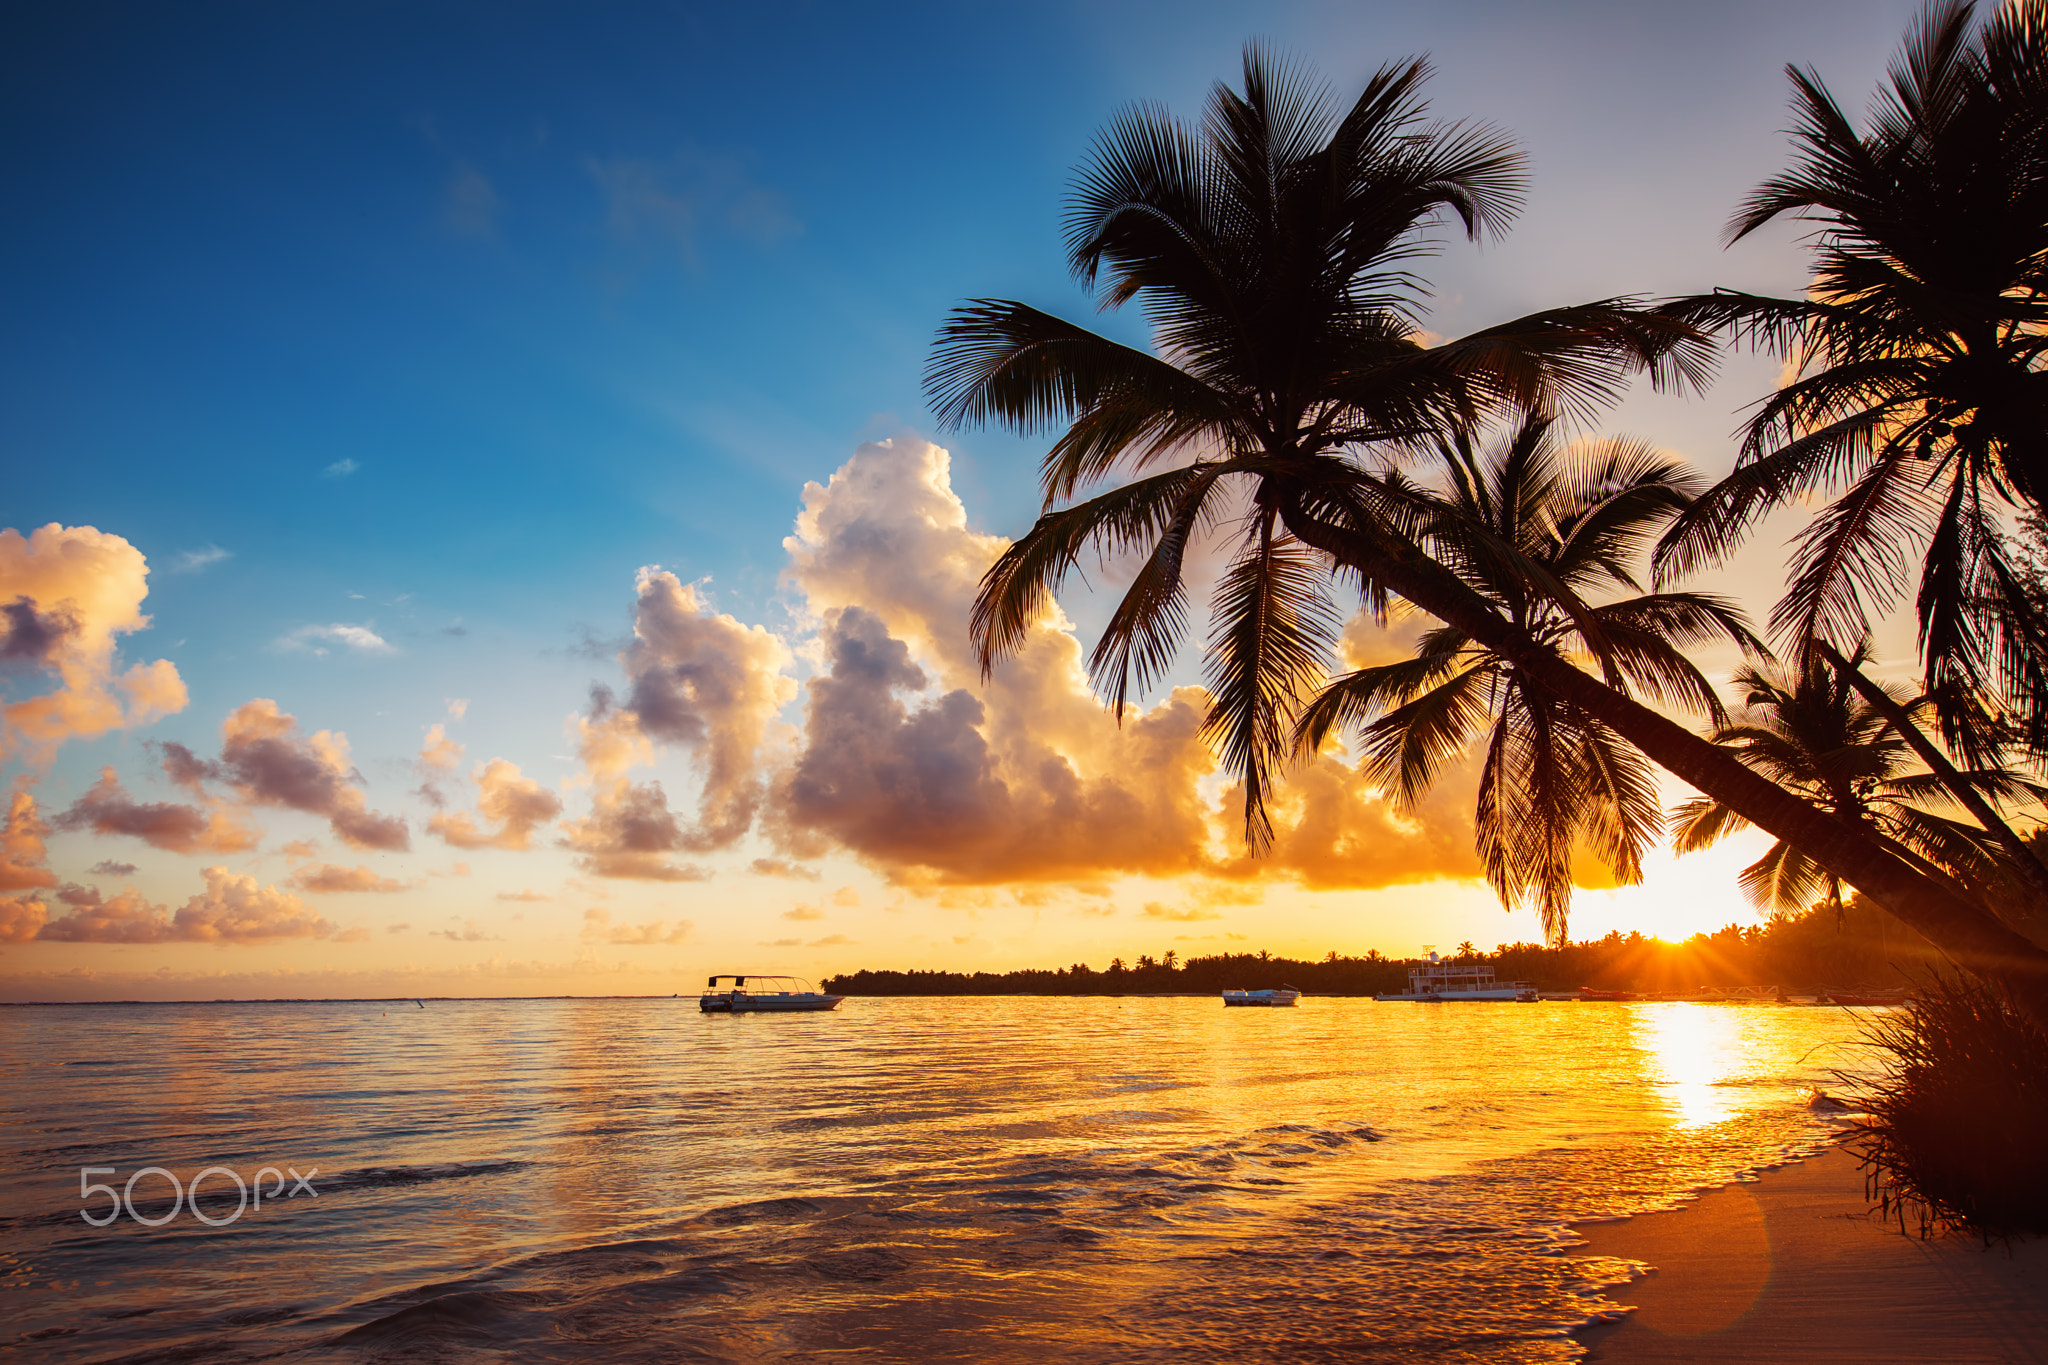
749,993
1286,995
1442,982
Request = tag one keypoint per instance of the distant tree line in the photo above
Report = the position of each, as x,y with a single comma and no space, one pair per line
1859,947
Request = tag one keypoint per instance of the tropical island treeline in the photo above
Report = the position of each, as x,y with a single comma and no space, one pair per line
1805,952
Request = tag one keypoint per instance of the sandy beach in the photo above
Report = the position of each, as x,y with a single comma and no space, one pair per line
1793,1267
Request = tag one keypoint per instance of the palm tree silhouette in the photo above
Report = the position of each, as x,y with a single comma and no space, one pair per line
1273,249
1812,733
1919,404
1554,777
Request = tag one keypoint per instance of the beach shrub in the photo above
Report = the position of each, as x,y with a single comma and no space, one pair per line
1958,1129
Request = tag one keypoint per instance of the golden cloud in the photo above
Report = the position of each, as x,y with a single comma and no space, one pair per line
65,594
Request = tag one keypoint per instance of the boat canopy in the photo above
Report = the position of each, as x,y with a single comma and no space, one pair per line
791,984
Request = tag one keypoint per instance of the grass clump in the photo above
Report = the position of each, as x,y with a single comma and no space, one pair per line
1958,1128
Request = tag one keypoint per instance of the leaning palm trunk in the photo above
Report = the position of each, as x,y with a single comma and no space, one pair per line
1967,933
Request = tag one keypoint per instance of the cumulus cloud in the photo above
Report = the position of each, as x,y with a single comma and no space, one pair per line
232,909
66,593
317,639
526,895
108,809
631,833
708,684
268,762
468,933
516,804
107,867
598,928
327,877
340,469
829,941
804,912
21,918
909,760
23,854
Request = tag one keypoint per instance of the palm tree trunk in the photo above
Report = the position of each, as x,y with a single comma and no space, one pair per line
1968,934
1972,800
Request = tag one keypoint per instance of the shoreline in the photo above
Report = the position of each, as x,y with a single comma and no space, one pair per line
1793,1266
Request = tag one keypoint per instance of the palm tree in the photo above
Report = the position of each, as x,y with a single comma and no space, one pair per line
1554,778
1812,733
1272,248
1920,404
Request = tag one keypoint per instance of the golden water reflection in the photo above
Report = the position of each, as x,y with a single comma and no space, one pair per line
1696,1051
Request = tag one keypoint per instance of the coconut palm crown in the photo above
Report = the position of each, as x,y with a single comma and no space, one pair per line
1273,248
1554,777
1809,731
1919,407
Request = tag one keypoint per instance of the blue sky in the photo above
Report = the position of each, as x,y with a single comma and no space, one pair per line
442,320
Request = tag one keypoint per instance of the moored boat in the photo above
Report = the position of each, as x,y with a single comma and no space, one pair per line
747,994
1589,993
1285,995
1437,981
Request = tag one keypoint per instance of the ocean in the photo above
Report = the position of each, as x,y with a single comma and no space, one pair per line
987,1180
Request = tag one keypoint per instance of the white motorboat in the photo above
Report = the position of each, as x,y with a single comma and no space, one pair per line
742,994
1286,995
1438,981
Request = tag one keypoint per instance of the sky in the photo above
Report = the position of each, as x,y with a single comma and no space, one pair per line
473,526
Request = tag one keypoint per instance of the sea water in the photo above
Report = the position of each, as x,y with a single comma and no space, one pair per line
1015,1179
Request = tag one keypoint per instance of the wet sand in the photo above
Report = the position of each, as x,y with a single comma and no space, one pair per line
1793,1268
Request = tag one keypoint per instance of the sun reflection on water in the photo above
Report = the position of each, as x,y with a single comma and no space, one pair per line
1695,1050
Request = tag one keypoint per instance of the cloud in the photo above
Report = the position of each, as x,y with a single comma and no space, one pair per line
340,469
598,928
946,792
468,933
268,763
21,918
829,941
782,943
193,561
232,909
108,809
631,833
65,594
804,912
528,895
934,777
315,639
439,753
23,854
670,203
708,684
782,867
326,878
1155,910
470,203
398,928
107,867
517,804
